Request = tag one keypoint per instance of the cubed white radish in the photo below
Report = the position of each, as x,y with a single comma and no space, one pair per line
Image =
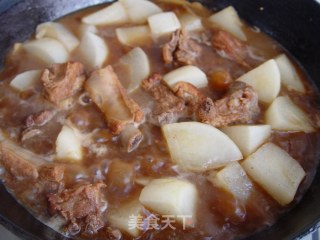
163,23
229,20
198,146
171,196
140,10
284,115
47,50
17,48
134,36
233,179
68,145
26,80
190,22
137,64
265,79
190,74
248,137
142,181
289,75
84,28
126,217
275,171
113,14
93,50
58,32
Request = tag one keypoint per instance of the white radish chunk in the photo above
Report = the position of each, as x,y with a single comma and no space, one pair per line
289,75
229,20
190,22
68,145
58,32
142,181
26,80
140,10
93,50
123,217
275,171
198,146
113,14
17,48
134,36
189,74
171,196
137,64
47,50
163,23
233,179
265,79
248,137
284,115
84,28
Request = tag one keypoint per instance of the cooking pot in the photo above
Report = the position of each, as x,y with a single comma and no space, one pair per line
295,24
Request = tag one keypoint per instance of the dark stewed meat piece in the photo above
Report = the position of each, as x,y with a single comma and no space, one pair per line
231,46
107,92
238,106
81,205
168,107
181,50
62,81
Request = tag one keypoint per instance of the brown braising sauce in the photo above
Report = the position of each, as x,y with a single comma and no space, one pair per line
80,197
